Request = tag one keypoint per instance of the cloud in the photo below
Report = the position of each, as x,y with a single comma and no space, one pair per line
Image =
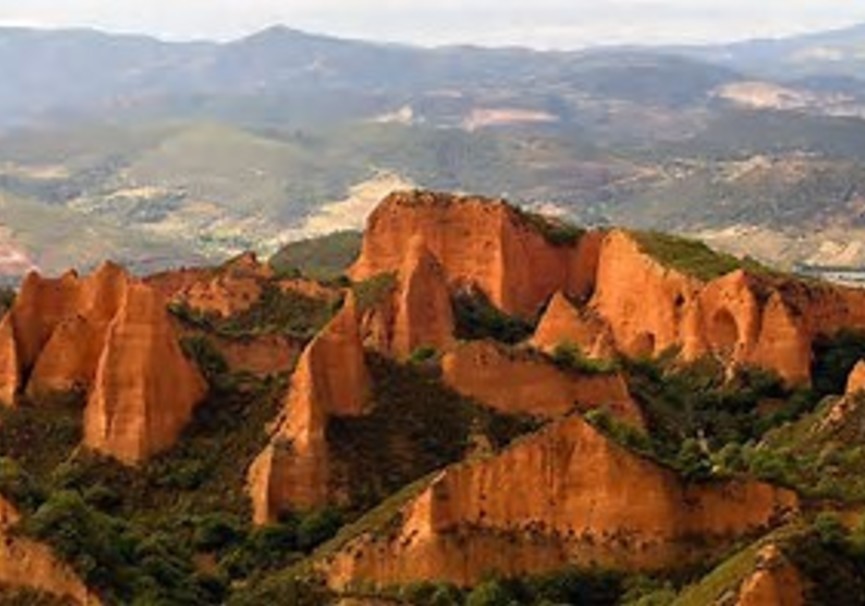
542,23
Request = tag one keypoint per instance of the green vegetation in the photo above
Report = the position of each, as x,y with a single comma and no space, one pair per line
554,231
569,356
138,535
699,420
692,257
324,258
818,457
834,358
477,318
27,597
276,312
572,585
415,426
7,299
829,557
374,290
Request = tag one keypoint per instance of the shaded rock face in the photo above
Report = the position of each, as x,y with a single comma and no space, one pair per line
565,496
482,243
28,564
110,336
331,379
522,383
776,582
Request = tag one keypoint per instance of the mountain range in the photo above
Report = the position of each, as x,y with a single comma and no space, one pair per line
158,153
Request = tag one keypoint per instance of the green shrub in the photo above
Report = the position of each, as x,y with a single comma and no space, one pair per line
569,356
374,290
477,318
18,486
317,527
692,257
834,358
490,593
215,531
423,354
204,353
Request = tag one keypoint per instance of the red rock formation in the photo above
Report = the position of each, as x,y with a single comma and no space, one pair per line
331,379
518,382
856,381
225,291
479,242
110,335
567,495
261,355
144,390
27,564
9,363
563,324
416,313
776,582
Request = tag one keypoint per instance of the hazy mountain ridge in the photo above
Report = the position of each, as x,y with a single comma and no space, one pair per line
190,150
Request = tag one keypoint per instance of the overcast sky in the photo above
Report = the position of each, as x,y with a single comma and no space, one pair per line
539,23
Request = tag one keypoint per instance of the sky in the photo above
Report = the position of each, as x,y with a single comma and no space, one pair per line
563,24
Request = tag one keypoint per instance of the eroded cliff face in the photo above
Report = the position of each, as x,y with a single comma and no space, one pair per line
145,389
521,382
602,290
856,380
483,243
28,564
643,308
331,379
416,312
224,291
110,336
567,495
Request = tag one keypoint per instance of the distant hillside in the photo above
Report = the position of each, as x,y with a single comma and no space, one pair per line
161,154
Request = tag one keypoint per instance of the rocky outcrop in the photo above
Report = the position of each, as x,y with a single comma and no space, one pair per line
415,313
606,293
331,379
224,291
740,318
27,564
260,355
856,380
775,582
520,382
483,243
565,496
110,336
144,390
564,324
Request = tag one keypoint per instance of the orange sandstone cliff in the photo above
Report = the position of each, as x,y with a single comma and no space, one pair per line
602,291
484,243
331,379
519,382
109,336
145,390
567,495
28,564
415,313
